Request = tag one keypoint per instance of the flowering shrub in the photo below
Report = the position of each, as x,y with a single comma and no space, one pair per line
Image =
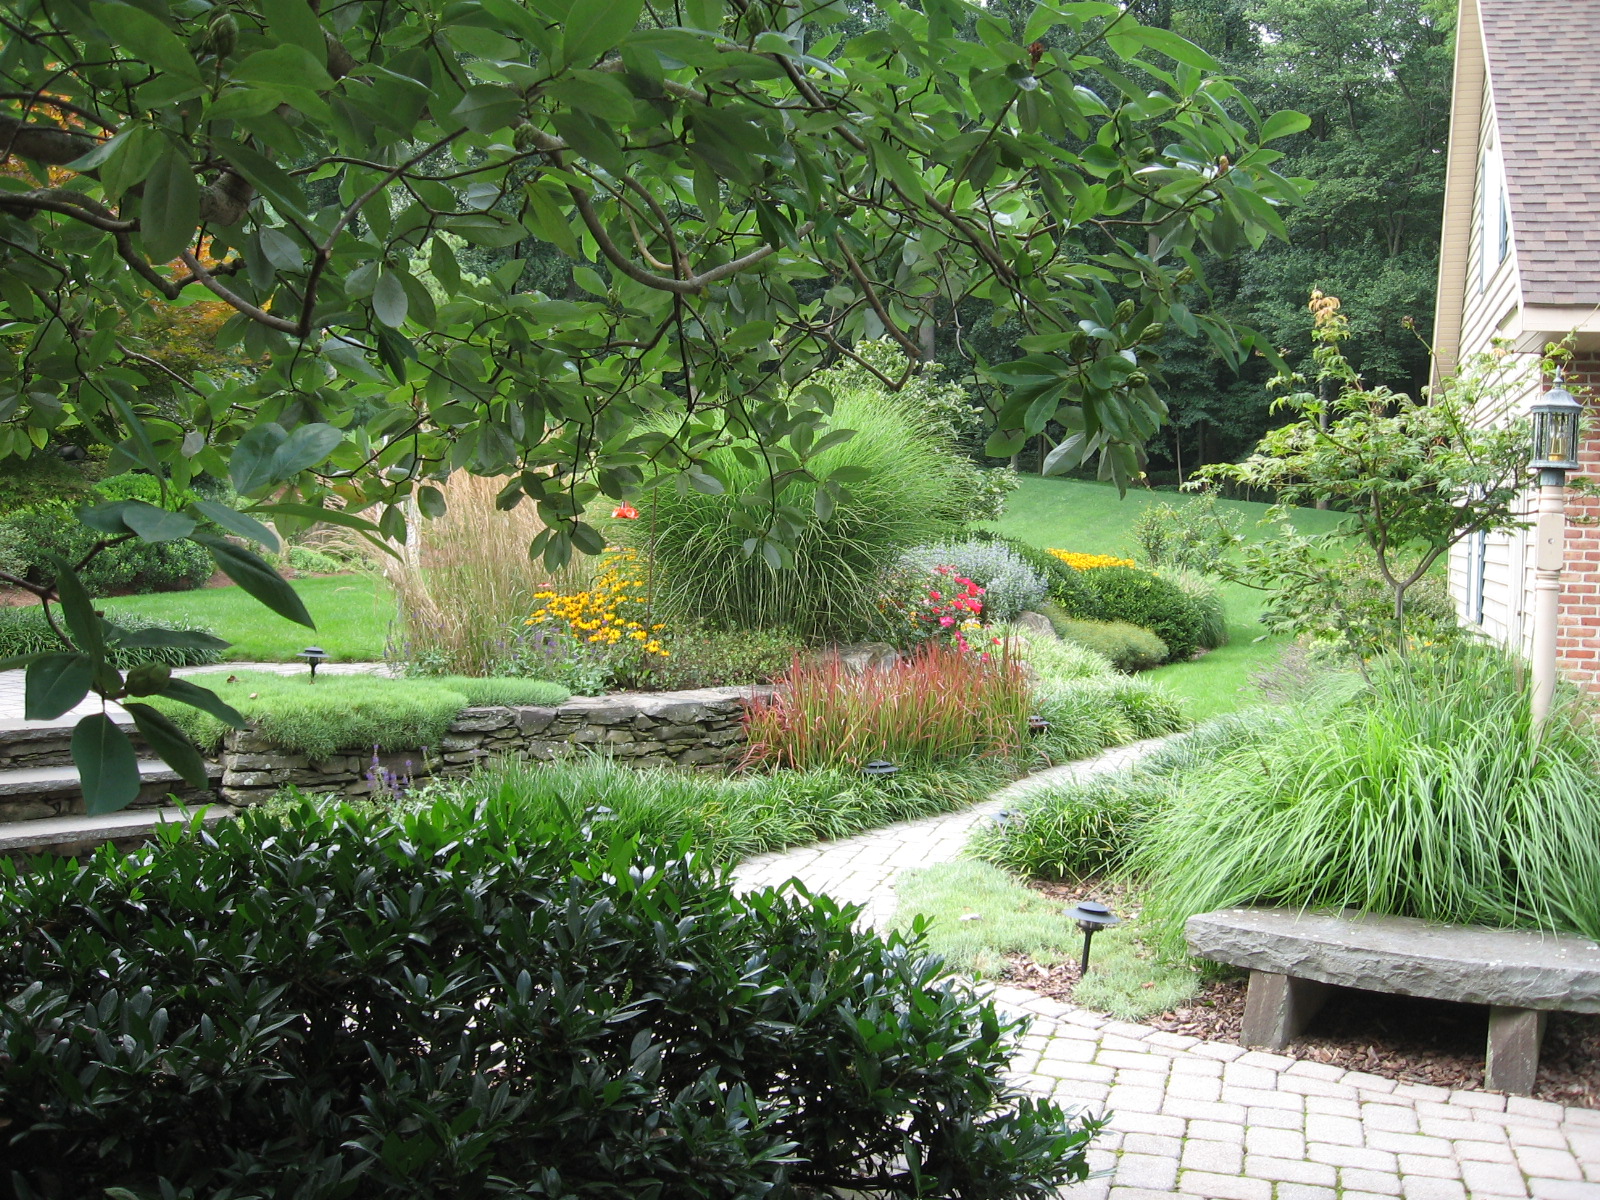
938,705
1009,584
926,604
1089,562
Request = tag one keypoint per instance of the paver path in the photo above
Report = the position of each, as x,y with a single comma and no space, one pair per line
1207,1119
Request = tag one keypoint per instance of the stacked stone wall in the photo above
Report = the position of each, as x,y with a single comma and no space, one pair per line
702,729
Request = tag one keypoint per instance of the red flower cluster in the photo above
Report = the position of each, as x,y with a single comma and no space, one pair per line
950,609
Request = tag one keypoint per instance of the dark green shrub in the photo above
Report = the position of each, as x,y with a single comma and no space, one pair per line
28,534
25,631
456,1001
1129,647
44,477
1150,602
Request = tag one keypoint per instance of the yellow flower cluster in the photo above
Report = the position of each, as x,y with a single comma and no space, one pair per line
1088,562
614,611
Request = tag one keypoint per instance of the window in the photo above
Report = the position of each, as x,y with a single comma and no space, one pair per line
1494,215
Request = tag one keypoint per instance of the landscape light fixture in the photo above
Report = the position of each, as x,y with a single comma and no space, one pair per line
1092,917
1556,415
879,768
1037,724
313,655
1556,418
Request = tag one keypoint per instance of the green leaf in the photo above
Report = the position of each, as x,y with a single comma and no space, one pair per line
107,518
250,468
54,684
252,573
237,523
1283,124
154,524
148,37
592,28
205,700
82,620
108,769
170,743
389,298
430,502
305,448
293,21
486,107
284,67
170,209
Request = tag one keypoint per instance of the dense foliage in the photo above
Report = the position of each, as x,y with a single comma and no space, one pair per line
1010,584
472,1001
1150,601
1128,647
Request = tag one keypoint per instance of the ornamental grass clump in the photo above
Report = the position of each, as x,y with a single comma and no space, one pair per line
898,483
939,705
1425,794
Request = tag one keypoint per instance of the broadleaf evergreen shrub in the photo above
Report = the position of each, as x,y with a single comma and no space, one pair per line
1067,587
1151,602
461,1001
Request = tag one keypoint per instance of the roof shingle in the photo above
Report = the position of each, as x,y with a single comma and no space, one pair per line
1544,72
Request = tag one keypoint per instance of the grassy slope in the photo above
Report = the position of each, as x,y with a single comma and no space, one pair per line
352,613
1078,515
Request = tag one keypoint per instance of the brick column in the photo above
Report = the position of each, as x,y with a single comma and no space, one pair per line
1578,637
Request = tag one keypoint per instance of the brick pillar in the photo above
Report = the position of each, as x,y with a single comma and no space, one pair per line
1578,636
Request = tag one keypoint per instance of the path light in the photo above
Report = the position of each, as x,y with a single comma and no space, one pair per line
1092,917
879,768
1037,724
1556,416
313,655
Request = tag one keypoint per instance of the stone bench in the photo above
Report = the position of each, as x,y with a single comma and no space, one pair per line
1294,956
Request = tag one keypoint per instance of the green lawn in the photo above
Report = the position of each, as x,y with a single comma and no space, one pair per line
352,613
1072,514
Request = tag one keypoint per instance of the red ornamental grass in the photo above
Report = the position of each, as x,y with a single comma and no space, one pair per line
939,705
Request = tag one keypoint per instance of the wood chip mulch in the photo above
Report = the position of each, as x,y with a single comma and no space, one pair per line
1398,1037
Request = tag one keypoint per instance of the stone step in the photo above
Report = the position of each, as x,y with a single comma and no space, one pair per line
38,793
45,743
77,835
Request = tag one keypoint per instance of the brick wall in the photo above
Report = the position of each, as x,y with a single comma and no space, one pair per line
1578,636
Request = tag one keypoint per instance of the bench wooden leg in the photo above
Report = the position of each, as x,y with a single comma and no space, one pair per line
1277,1007
1515,1036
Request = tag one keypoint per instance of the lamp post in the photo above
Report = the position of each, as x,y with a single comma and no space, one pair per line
313,655
1555,448
1092,917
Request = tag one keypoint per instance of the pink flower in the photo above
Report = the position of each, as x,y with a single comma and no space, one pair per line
947,621
933,595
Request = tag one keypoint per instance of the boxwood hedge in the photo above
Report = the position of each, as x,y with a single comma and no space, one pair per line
463,1001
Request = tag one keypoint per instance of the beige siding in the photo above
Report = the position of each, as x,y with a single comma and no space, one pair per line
1492,286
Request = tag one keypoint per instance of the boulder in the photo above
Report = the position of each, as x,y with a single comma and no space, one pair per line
1035,623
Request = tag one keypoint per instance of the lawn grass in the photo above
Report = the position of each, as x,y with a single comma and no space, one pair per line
352,612
979,914
1074,514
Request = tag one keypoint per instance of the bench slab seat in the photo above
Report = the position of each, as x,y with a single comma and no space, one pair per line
1294,955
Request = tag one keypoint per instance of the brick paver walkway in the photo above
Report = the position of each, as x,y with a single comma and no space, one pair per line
1208,1119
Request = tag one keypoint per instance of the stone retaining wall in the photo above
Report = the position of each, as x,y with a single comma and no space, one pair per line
702,729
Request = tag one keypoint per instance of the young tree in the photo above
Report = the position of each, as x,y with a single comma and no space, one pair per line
741,191
1412,478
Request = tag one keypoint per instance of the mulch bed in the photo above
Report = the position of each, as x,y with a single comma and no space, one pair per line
1398,1037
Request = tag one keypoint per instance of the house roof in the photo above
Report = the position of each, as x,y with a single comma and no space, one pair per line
1543,57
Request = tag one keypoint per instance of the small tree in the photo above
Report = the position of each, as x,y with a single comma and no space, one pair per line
1412,478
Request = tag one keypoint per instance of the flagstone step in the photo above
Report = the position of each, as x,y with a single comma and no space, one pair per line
36,793
81,834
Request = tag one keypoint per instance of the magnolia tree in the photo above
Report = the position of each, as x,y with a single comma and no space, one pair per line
1413,478
742,189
